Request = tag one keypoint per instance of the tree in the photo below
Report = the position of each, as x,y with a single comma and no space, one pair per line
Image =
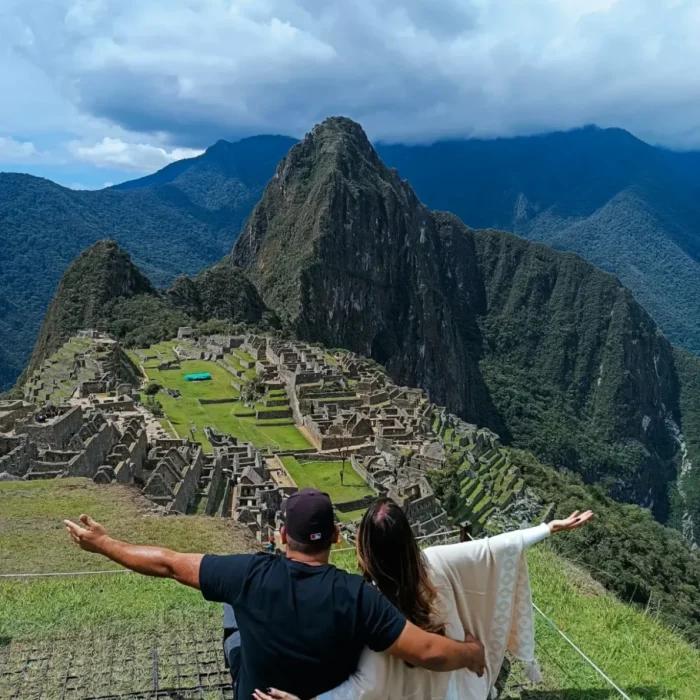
154,406
344,452
252,391
153,388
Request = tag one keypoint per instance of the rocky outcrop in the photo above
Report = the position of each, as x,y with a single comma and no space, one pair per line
222,292
345,253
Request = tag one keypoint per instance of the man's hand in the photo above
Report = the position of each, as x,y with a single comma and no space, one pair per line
575,520
91,538
477,662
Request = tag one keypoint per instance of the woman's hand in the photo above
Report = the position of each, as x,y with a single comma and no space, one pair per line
576,519
273,694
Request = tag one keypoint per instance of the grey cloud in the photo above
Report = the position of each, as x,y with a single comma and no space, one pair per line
408,70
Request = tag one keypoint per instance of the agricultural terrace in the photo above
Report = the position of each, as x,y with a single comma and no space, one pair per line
97,636
231,417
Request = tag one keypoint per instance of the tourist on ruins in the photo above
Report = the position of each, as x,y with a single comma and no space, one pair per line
481,586
303,623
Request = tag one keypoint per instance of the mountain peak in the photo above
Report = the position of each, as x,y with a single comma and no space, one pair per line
94,281
335,129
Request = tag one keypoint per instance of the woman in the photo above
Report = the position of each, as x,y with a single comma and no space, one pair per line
478,587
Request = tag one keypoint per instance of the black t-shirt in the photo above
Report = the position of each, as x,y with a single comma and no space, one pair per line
302,627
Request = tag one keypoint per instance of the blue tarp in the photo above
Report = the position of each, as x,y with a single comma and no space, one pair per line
201,377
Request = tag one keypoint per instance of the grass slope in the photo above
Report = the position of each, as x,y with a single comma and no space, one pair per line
33,540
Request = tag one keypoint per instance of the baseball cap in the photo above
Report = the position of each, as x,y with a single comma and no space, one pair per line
308,516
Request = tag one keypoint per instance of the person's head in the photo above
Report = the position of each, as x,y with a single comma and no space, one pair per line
388,556
309,529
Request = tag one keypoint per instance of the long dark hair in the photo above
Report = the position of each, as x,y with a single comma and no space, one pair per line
388,556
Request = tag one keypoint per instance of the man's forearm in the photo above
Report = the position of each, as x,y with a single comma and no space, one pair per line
436,653
153,561
450,655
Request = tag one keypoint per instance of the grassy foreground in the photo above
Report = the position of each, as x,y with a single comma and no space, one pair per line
109,623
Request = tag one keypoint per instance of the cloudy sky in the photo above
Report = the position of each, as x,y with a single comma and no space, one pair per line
99,91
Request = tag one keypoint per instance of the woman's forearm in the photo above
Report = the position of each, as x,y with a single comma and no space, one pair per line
533,535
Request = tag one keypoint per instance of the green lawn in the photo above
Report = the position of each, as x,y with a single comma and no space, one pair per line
279,434
225,417
325,476
350,516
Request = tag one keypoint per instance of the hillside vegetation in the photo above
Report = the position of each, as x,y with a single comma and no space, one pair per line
624,548
177,221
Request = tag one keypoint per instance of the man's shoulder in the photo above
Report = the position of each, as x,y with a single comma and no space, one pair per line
354,582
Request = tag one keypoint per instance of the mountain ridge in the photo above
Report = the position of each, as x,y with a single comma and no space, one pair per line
186,216
539,345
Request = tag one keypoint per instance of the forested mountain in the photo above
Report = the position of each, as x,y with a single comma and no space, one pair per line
551,352
103,289
625,206
177,221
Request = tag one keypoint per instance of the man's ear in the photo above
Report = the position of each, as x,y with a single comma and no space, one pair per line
336,534
283,534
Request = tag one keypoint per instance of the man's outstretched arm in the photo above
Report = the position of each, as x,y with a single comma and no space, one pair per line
150,561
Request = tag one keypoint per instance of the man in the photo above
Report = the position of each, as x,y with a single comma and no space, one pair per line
302,622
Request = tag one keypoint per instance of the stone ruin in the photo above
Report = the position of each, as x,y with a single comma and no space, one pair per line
85,366
69,441
344,403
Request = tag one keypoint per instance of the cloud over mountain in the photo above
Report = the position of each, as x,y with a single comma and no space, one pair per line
186,70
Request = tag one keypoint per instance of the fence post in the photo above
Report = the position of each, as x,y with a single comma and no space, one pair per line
465,531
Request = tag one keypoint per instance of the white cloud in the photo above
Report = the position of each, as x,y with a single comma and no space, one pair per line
191,71
137,157
81,186
12,151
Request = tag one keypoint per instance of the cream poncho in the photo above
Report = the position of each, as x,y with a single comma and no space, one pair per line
484,588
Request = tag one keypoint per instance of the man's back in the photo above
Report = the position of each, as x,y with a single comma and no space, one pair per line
302,626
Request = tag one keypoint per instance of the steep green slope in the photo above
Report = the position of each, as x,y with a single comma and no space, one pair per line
552,353
177,221
577,368
624,548
625,206
221,292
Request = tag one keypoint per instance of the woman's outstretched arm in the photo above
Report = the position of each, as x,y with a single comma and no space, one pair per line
533,535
